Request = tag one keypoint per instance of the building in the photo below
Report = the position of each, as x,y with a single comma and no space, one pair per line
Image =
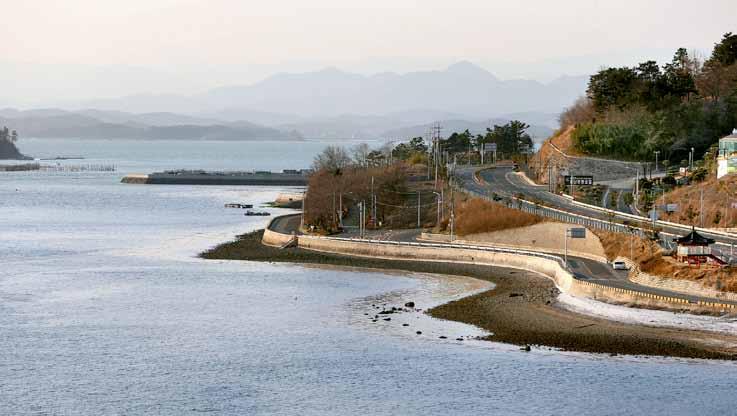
727,159
695,249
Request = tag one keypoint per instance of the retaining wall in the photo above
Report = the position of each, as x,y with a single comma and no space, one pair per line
547,266
686,287
274,239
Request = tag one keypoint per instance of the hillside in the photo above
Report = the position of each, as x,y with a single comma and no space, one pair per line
8,151
630,113
719,195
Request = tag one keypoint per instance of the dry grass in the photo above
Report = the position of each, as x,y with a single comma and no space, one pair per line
718,198
475,215
652,261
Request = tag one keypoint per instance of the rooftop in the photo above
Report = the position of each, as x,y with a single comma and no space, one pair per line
694,238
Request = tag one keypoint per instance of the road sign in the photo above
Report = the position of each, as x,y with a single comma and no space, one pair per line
489,147
653,214
669,207
577,232
579,180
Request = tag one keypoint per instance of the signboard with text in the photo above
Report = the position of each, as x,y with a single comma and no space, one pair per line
489,147
577,233
579,180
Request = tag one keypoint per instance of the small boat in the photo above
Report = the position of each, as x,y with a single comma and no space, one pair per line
257,214
243,206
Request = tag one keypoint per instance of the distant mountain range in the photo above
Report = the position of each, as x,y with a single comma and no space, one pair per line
324,104
462,88
97,124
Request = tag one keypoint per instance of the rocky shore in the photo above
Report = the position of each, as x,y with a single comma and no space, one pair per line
520,310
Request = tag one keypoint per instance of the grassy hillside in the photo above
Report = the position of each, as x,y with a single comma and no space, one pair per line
630,113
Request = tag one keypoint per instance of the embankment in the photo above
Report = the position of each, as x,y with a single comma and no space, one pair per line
519,310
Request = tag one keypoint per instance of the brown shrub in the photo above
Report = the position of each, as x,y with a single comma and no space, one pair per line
474,215
325,189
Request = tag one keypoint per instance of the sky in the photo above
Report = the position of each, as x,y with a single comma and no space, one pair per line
75,49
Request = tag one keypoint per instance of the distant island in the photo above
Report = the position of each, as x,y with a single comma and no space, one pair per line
8,150
60,124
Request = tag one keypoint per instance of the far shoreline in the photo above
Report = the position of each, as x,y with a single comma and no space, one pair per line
520,310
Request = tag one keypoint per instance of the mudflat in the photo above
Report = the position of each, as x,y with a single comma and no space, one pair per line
522,309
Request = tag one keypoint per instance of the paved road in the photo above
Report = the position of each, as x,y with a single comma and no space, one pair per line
505,182
582,268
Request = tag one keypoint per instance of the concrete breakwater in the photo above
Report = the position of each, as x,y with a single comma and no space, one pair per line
184,177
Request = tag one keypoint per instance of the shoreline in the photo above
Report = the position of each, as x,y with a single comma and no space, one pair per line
521,309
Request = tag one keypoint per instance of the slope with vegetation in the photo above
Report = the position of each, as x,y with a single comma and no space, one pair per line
631,112
8,150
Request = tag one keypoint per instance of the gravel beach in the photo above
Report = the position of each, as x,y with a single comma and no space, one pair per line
520,310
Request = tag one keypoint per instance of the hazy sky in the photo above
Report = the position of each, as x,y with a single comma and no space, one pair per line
88,48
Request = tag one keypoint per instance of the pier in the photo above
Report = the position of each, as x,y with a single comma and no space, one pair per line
288,177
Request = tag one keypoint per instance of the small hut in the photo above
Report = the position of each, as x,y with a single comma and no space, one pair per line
694,248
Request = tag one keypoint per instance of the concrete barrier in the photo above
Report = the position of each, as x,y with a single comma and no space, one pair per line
275,239
686,287
546,265
549,266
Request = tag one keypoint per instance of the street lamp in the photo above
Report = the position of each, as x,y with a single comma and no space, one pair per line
657,152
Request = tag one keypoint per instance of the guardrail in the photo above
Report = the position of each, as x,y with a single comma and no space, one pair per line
631,292
558,214
451,245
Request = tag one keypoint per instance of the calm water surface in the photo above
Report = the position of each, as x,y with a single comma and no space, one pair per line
105,310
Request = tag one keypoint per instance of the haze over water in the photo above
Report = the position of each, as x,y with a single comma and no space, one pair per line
105,310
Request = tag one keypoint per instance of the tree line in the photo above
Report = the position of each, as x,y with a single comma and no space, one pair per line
8,135
631,112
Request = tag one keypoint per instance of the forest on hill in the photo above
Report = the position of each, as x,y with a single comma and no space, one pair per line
8,150
631,112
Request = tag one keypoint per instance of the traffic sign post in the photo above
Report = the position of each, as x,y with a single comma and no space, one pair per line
578,232
579,180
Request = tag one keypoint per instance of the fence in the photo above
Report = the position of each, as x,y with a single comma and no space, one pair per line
559,215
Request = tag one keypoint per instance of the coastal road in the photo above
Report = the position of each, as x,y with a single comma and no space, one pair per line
503,181
582,268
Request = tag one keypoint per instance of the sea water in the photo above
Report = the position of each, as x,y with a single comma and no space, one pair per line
105,309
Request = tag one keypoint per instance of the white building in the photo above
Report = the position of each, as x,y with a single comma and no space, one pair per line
727,159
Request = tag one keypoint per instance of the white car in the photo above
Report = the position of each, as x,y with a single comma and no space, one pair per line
619,265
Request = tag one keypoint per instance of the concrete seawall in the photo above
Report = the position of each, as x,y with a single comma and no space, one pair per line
414,251
274,238
546,265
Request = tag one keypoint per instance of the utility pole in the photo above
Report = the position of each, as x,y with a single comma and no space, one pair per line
573,184
340,208
418,209
452,206
440,203
373,207
302,219
701,208
657,152
637,186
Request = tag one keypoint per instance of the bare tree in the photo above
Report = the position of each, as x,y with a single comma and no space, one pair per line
333,159
360,154
581,111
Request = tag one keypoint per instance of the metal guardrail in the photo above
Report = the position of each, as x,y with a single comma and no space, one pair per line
671,299
560,215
